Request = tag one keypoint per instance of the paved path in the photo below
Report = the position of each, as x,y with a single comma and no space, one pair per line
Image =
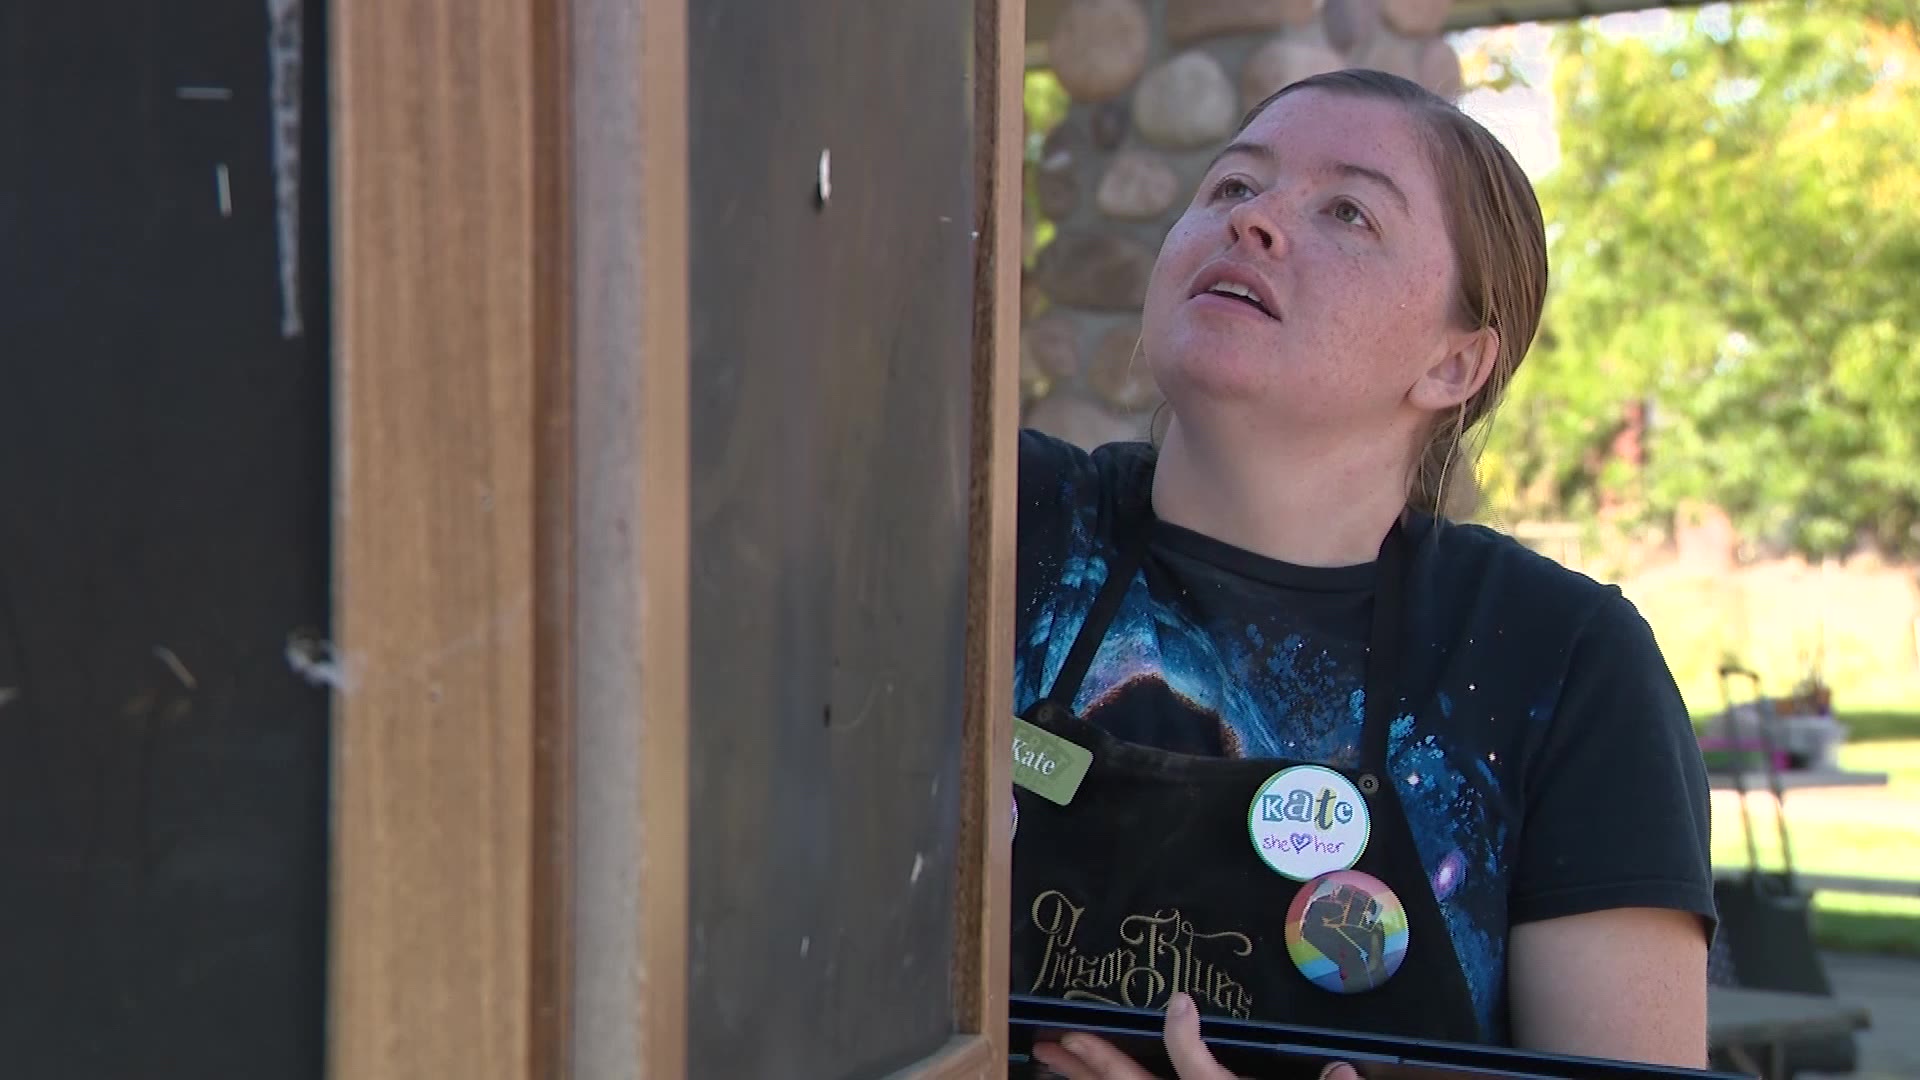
1890,987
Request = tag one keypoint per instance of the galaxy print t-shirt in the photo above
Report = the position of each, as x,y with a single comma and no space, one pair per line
1541,749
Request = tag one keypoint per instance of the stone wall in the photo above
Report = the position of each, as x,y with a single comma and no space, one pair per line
1158,87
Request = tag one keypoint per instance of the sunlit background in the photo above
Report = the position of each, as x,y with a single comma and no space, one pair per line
1722,411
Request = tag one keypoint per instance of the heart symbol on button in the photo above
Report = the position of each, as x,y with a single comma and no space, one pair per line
1301,840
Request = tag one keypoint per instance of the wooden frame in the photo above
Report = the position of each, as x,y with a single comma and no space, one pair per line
510,842
631,430
454,564
981,930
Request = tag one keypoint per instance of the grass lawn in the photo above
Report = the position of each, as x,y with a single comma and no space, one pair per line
1872,833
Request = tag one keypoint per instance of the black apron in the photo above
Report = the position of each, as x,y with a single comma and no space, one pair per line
1148,882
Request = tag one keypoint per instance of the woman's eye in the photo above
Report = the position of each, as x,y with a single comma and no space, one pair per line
1349,212
1232,188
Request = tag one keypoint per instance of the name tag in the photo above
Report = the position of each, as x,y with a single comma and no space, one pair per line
1046,764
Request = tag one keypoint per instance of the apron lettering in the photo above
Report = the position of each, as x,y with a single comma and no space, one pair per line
1157,957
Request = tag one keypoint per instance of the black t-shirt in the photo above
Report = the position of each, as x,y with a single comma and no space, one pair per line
1543,753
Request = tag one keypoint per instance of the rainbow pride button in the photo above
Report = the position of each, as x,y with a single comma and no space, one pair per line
1346,932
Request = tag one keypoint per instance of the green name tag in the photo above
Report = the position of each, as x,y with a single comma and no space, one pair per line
1046,764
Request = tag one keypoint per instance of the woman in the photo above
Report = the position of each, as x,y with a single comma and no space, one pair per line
1350,765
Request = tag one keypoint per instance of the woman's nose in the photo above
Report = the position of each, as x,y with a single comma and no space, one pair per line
1254,222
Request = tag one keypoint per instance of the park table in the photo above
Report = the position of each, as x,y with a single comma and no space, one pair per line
1757,782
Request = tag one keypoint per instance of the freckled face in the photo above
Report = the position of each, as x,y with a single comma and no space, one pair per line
1326,210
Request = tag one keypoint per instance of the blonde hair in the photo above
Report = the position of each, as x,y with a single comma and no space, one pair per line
1500,251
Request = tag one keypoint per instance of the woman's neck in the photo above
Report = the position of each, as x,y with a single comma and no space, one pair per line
1327,505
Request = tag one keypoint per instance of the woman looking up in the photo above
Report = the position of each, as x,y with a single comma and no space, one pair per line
1351,765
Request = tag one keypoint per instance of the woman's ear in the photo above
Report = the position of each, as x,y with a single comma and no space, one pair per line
1459,374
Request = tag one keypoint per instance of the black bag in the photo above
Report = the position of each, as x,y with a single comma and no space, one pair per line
1766,919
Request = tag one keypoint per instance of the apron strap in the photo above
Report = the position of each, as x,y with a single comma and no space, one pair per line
1131,550
1383,649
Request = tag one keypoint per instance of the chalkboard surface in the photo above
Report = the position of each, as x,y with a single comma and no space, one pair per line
163,530
831,365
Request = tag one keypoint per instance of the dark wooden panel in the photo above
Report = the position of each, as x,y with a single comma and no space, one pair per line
831,372
163,459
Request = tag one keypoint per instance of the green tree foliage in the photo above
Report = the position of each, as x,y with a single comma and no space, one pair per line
1046,104
1735,237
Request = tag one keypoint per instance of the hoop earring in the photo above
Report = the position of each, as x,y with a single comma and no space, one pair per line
1154,435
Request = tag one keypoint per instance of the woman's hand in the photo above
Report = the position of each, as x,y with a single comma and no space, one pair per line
1086,1057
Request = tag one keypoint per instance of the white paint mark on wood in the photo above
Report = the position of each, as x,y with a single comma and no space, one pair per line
322,663
169,658
316,660
919,864
223,186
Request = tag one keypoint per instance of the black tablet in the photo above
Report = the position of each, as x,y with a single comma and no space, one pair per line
1282,1052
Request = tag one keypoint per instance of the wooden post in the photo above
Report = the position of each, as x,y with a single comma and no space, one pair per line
453,562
